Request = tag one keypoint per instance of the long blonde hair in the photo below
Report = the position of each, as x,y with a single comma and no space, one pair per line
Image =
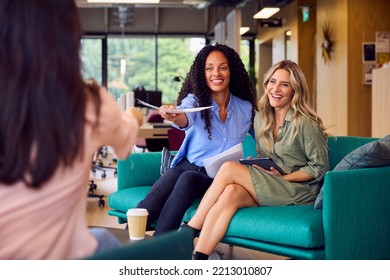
299,102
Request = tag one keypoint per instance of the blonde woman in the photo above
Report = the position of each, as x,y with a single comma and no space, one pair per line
288,131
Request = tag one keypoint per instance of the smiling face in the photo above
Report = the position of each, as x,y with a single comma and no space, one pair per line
279,90
217,72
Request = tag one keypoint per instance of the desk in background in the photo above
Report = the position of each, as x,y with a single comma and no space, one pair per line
154,130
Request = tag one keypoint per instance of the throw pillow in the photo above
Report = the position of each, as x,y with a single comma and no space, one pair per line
166,160
373,154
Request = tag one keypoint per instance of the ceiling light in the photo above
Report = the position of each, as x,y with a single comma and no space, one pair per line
266,12
125,1
243,30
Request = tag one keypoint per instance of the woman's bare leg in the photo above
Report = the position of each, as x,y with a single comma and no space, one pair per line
218,218
229,173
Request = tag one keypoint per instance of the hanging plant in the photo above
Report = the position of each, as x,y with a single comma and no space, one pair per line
328,43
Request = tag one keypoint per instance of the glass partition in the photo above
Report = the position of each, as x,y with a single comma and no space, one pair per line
131,63
175,57
153,63
91,58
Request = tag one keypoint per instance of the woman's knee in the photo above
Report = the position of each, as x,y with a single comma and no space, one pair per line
192,179
230,196
236,196
229,168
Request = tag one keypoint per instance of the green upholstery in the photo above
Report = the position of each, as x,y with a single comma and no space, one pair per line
353,223
296,226
170,246
249,147
340,146
146,165
127,198
300,227
356,214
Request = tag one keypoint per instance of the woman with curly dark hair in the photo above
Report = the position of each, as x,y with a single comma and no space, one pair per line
217,78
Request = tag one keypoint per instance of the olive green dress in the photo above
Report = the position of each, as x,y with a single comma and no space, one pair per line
306,152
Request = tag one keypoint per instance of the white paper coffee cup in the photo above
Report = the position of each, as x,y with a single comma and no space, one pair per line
136,221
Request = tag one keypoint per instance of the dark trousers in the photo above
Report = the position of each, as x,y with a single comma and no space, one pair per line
173,193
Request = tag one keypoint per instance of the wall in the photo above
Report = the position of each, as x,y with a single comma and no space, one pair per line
306,47
265,60
302,41
332,87
380,102
342,98
364,18
271,42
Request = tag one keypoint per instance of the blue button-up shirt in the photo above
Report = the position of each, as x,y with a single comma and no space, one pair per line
224,135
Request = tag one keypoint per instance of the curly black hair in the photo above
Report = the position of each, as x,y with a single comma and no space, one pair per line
195,81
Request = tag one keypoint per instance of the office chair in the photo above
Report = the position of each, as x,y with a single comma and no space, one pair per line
141,143
92,187
175,138
97,164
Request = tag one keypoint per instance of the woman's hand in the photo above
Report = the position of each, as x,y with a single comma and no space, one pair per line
168,116
180,119
272,170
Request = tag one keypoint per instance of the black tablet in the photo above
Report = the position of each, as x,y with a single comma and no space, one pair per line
264,162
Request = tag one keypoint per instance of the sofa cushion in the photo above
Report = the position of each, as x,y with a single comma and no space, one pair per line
298,226
127,198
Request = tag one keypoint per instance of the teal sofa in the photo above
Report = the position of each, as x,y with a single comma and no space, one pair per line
353,223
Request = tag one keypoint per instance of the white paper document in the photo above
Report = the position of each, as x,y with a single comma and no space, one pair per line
174,111
212,164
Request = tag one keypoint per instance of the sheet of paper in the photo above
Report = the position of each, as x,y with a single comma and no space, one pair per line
212,164
175,111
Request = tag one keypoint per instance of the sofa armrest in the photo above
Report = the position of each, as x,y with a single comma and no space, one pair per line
139,169
356,208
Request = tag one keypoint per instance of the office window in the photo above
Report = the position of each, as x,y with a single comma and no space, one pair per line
91,57
131,63
149,62
244,53
175,57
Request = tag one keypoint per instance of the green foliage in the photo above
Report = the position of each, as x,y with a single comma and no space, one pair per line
175,57
92,59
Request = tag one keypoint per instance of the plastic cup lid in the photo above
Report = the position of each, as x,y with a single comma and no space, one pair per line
137,212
